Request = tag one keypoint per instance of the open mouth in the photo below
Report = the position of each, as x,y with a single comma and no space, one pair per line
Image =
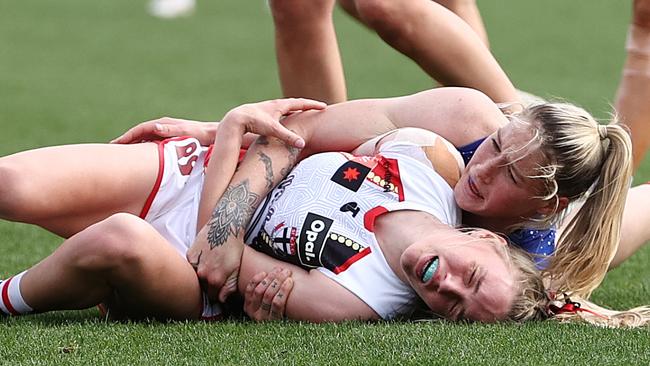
473,188
430,269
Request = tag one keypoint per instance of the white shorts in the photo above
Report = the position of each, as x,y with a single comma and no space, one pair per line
173,204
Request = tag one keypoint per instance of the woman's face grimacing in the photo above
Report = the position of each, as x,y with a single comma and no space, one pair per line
496,182
462,275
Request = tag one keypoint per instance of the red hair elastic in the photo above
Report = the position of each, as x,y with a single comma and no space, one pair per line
572,307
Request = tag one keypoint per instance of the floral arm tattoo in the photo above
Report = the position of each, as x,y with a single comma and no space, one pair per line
239,201
232,213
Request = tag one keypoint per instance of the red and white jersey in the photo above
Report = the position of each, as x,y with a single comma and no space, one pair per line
322,217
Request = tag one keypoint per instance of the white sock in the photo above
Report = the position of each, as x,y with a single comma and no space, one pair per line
11,301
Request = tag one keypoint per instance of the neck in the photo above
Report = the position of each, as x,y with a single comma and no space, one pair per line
498,225
396,231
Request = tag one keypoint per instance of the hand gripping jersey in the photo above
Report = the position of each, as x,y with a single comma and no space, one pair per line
322,217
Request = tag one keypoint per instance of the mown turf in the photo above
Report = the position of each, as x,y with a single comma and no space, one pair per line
75,71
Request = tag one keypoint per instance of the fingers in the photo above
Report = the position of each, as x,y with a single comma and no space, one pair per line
287,136
279,302
251,301
156,129
290,105
146,131
266,295
229,287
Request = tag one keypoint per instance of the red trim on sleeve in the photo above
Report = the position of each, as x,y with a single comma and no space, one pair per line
352,260
371,215
5,297
156,186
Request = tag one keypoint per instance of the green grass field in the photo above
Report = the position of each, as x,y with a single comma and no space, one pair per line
84,71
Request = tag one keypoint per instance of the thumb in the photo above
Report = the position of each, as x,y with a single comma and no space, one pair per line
229,287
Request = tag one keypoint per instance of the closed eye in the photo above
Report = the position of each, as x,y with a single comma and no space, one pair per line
511,174
472,275
495,145
478,284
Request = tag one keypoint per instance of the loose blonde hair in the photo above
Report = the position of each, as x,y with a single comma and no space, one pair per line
589,161
533,302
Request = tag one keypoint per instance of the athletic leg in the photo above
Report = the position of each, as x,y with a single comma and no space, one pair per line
67,188
633,95
635,231
103,264
442,44
308,56
468,11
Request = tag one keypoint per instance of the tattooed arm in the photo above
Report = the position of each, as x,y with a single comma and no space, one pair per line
216,252
259,118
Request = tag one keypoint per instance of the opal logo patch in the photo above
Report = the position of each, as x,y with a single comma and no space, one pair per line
312,239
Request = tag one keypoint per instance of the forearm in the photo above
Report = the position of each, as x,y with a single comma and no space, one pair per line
458,114
314,297
220,170
266,163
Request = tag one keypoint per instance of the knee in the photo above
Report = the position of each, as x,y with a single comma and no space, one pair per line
386,17
454,5
297,12
15,201
112,244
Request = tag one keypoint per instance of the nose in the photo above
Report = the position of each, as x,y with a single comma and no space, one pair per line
484,172
452,285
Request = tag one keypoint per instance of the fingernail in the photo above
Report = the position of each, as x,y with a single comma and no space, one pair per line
158,127
300,143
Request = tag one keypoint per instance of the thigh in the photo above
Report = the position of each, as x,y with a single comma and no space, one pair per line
66,188
635,231
152,280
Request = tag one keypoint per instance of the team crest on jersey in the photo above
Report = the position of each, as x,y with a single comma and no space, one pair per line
281,243
351,175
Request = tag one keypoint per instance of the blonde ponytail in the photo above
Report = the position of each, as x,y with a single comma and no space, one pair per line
588,161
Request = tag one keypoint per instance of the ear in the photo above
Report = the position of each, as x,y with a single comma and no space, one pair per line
550,207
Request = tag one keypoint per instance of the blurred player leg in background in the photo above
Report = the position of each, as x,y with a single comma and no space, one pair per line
308,56
633,96
438,40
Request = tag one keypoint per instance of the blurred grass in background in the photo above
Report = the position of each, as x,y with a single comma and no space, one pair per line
84,71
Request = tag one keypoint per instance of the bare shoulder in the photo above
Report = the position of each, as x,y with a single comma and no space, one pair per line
441,154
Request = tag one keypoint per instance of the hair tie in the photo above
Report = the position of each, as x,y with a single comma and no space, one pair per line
602,131
572,307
